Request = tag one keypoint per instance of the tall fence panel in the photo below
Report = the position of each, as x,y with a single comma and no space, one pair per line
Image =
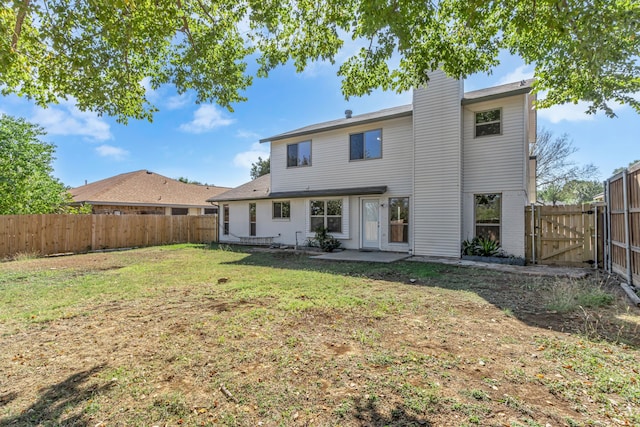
54,234
622,196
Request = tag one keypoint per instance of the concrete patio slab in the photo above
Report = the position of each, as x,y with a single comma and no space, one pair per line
350,255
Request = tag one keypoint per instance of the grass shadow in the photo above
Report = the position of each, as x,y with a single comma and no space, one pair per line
57,400
524,297
368,414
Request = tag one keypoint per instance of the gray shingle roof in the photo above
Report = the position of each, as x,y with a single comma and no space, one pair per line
487,94
256,189
495,92
386,114
259,189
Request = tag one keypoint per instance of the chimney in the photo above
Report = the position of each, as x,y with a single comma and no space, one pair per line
85,182
347,114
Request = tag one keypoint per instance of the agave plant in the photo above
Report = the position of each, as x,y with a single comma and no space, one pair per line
481,246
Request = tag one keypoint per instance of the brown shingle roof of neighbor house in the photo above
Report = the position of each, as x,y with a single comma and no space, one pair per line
145,188
487,94
259,189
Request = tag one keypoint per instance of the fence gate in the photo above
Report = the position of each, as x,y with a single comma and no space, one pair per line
564,235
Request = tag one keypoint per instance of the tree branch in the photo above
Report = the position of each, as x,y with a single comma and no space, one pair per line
19,20
185,26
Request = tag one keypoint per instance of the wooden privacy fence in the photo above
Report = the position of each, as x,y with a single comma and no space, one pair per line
622,196
53,234
565,235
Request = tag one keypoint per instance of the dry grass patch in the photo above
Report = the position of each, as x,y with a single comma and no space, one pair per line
183,335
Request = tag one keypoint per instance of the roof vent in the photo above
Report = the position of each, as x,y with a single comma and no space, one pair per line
347,114
149,173
523,83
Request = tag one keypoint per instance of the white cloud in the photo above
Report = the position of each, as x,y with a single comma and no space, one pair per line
206,118
523,72
177,101
566,112
67,119
576,112
246,158
247,134
115,153
150,93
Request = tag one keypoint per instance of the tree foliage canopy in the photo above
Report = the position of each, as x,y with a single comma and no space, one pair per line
260,167
621,168
572,192
100,51
26,183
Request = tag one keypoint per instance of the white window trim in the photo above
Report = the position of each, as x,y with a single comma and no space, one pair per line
345,217
476,223
475,125
310,154
281,219
223,222
409,228
366,158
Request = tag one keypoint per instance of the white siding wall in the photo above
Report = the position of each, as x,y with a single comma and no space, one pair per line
437,205
331,167
496,161
498,164
283,230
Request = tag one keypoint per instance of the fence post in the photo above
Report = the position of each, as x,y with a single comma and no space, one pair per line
627,231
93,232
608,261
533,233
595,236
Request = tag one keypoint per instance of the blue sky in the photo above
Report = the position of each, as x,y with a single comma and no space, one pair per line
210,144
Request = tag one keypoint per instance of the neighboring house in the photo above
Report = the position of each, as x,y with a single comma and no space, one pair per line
146,193
419,178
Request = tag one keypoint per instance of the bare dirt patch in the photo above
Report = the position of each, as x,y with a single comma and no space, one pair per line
480,349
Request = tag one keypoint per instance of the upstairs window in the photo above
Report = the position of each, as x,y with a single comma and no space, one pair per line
281,210
365,145
299,154
488,122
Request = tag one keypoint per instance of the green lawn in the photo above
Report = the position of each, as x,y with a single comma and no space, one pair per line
149,336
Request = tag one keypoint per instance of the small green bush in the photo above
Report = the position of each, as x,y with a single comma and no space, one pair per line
326,241
481,246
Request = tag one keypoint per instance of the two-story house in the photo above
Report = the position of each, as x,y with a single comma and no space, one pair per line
418,178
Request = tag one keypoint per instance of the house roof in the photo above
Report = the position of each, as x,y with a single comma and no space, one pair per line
351,191
386,114
259,189
145,188
256,189
496,92
481,95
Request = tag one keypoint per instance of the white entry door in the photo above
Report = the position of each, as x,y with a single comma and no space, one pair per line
370,224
